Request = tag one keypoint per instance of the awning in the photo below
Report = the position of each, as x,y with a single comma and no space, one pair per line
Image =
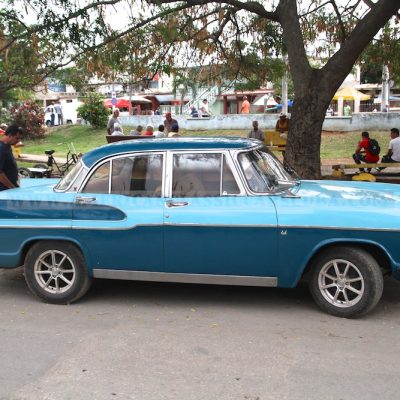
165,98
136,99
378,100
349,93
121,103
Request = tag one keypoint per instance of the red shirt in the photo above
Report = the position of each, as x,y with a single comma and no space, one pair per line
364,144
147,133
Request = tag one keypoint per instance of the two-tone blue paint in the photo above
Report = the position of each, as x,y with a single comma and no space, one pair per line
128,146
266,235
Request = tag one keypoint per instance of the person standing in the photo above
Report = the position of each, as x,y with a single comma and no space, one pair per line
58,111
245,106
8,165
347,110
393,153
113,120
53,114
169,121
256,133
363,151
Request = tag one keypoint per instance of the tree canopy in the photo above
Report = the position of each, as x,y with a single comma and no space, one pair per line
322,39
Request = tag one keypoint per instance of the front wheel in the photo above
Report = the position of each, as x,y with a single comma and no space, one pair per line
24,172
346,282
56,272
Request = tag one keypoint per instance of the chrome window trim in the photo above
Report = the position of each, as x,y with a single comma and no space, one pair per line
222,152
240,171
81,171
123,155
233,280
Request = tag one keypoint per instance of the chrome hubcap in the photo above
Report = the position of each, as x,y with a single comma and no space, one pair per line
341,283
54,271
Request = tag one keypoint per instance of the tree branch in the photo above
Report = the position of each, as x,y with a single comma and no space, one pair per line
343,60
293,37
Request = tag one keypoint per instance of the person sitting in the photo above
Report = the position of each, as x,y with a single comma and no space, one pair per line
256,133
174,131
204,110
282,125
160,132
363,153
117,130
393,153
137,131
149,130
193,112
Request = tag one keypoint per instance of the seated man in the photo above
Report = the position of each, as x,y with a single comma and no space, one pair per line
117,130
256,133
193,112
366,155
282,125
393,153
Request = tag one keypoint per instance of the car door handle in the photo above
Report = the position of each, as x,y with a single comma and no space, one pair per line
85,200
171,204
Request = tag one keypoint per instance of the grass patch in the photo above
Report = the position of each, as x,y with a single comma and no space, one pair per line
334,145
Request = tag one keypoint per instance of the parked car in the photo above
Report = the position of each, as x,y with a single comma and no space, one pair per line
201,210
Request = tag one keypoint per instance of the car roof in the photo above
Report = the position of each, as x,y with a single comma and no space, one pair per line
161,144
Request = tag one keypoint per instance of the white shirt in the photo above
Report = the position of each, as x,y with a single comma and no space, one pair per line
394,145
204,109
159,134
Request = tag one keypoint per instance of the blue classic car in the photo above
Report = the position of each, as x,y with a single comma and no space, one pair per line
201,210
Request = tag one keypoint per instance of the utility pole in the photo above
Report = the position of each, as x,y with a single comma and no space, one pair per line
285,86
385,88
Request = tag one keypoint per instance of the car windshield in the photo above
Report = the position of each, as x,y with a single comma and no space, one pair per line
69,178
263,171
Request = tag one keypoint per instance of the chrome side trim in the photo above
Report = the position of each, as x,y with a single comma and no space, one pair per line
127,228
235,280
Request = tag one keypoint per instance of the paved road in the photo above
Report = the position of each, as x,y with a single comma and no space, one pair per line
147,341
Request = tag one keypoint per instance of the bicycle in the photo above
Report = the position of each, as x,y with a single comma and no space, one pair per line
52,169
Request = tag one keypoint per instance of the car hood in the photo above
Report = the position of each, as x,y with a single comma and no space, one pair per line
340,204
350,191
30,188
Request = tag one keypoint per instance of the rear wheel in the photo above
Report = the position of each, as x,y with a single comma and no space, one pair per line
346,282
56,272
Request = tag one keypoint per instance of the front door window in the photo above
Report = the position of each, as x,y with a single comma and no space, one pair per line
202,175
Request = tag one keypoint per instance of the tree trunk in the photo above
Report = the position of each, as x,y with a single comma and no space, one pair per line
304,138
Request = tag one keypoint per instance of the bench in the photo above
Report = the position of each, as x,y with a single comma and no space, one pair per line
274,141
339,170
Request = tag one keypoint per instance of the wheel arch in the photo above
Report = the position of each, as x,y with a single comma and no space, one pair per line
31,242
374,249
